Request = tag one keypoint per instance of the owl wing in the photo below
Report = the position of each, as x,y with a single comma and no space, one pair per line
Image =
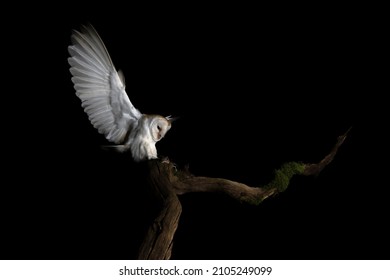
100,87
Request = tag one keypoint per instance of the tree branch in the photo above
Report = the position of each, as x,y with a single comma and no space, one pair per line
157,243
167,183
315,169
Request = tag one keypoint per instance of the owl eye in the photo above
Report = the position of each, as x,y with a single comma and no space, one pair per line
159,128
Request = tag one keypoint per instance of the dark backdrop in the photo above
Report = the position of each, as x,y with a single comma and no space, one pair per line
253,88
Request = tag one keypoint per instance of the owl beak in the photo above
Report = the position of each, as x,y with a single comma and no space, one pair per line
171,119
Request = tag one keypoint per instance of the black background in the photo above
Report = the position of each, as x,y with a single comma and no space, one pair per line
254,87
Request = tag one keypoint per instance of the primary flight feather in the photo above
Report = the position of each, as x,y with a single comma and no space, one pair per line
101,89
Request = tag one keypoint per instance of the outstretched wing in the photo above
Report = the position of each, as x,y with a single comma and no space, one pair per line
100,87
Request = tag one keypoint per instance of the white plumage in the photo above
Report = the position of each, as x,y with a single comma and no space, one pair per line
102,92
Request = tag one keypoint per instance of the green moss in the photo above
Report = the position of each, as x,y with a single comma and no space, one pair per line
284,175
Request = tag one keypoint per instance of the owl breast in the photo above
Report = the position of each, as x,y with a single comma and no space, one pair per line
143,150
140,141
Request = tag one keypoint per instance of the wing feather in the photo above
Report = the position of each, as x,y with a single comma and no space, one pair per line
100,87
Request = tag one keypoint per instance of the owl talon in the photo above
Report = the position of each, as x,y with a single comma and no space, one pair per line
165,160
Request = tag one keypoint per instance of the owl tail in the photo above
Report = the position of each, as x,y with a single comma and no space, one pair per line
116,148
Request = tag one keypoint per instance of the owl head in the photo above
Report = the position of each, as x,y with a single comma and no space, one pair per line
159,126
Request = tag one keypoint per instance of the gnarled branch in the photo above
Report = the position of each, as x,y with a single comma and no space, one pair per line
167,183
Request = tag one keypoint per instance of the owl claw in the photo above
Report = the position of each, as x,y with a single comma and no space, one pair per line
167,161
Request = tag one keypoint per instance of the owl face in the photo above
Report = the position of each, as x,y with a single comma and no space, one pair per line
159,127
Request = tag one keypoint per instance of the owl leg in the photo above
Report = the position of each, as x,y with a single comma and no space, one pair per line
151,151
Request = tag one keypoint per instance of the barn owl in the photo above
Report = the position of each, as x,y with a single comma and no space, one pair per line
101,89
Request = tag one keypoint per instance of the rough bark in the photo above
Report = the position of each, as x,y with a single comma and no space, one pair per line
157,243
167,183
